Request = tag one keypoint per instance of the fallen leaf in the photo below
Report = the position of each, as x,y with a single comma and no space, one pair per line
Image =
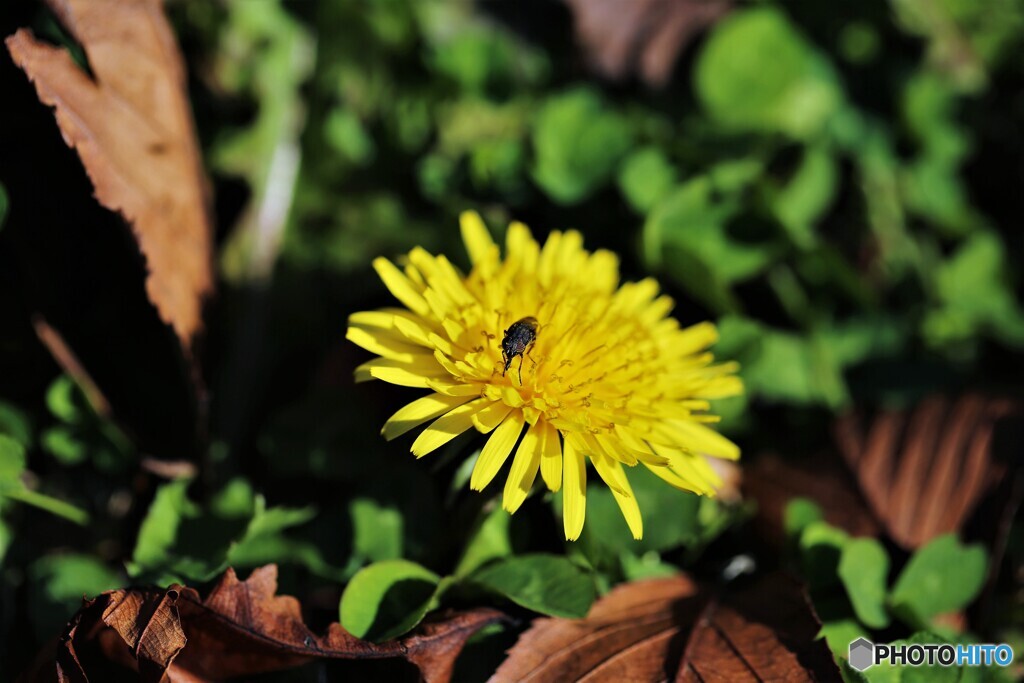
646,36
131,125
674,628
241,629
925,471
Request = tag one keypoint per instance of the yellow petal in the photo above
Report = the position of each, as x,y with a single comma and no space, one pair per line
383,344
550,456
574,491
491,416
400,286
419,411
496,451
524,469
447,427
611,471
482,249
706,440
414,374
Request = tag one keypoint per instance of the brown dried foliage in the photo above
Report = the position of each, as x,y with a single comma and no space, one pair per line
916,474
131,125
674,628
241,629
620,37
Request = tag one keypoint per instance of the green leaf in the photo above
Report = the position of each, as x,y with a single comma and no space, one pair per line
58,584
781,365
489,542
548,584
386,599
941,577
645,177
864,571
377,530
975,290
808,194
12,461
159,529
757,72
15,423
578,143
65,445
839,633
63,401
799,514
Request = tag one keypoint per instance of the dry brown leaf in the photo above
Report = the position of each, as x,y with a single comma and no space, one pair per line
925,471
241,629
645,36
673,628
132,127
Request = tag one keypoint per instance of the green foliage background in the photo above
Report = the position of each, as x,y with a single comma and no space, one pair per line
837,185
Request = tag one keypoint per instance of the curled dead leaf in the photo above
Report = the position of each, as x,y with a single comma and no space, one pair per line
674,628
132,128
643,36
925,471
241,629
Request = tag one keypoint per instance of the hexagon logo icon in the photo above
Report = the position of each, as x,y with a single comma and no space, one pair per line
862,654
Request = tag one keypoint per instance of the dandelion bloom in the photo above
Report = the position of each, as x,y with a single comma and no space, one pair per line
606,374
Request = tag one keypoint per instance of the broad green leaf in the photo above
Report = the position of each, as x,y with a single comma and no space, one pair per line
941,577
757,72
386,599
864,571
645,177
578,143
839,633
548,584
490,541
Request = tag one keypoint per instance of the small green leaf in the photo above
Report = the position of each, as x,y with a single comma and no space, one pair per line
63,444
12,461
386,599
63,401
377,530
159,529
15,423
864,571
645,177
941,577
548,584
799,513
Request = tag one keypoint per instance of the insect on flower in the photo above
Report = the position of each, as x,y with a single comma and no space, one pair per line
519,339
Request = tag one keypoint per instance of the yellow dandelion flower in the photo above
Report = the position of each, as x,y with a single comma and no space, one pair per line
601,373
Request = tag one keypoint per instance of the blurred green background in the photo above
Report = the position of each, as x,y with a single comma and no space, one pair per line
838,185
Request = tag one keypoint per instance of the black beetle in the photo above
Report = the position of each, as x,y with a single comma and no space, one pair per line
519,339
